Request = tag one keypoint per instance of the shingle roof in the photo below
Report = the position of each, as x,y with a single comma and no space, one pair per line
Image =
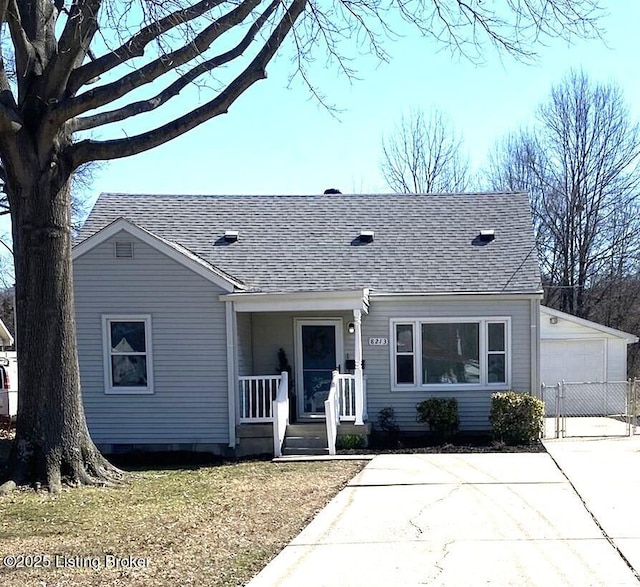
422,244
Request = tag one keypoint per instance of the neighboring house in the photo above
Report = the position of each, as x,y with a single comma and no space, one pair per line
183,302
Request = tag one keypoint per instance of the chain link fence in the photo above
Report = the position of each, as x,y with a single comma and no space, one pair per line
579,409
634,406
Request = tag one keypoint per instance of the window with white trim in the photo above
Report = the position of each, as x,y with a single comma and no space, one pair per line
405,355
127,354
496,352
444,352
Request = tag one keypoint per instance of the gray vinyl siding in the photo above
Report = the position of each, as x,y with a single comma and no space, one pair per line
189,403
245,358
275,330
271,332
473,405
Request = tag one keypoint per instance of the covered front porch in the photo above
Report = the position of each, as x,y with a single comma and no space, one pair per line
295,358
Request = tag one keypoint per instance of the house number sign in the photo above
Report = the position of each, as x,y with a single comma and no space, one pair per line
378,341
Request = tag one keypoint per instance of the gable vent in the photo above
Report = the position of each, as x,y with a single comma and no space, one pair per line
231,236
366,236
124,250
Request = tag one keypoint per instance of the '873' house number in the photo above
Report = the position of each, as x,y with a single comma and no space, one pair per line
378,341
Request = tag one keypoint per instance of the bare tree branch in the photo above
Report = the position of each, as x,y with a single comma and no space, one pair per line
79,30
424,155
22,46
103,150
175,88
148,73
135,46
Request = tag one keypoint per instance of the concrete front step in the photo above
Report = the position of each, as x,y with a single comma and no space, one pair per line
306,439
307,429
304,451
305,442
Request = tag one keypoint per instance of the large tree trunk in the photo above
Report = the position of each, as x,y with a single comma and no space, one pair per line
52,442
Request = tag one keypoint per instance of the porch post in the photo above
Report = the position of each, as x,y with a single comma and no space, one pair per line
232,375
357,319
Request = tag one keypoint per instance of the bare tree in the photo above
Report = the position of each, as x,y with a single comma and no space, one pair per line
424,154
580,163
82,65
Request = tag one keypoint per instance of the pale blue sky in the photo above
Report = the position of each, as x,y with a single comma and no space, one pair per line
279,140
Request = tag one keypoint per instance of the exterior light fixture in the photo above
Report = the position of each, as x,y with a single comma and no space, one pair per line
351,328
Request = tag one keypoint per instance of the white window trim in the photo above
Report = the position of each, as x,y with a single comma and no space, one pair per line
483,351
106,346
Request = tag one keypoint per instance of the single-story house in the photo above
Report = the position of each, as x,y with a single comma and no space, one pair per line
189,310
575,350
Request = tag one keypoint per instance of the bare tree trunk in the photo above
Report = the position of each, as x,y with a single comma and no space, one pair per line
53,444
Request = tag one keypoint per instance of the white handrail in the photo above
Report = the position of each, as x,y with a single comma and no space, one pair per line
280,411
332,413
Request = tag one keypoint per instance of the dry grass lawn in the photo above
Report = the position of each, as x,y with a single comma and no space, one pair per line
214,525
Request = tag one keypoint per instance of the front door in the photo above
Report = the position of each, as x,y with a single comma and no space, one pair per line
318,352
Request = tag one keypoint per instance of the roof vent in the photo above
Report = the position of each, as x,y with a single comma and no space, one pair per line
332,191
366,236
231,236
123,250
486,236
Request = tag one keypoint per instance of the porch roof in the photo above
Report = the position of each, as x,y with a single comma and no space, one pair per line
286,244
312,301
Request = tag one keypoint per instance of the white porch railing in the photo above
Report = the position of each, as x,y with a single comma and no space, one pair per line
280,411
256,397
332,413
347,393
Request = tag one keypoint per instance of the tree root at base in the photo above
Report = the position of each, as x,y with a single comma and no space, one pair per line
91,471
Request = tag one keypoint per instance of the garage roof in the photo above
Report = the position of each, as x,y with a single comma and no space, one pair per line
630,338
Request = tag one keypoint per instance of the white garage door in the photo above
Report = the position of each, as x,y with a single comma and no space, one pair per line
576,361
572,360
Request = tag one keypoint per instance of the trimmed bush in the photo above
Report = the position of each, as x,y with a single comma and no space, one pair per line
441,414
516,418
389,430
350,441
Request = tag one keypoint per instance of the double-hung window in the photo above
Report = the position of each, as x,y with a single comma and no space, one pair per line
127,354
440,353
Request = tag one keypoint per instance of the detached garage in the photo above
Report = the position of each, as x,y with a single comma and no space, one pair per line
577,350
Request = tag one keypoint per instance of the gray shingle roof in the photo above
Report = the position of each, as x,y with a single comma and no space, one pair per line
423,243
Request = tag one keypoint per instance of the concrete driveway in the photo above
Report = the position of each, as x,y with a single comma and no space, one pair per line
605,472
455,520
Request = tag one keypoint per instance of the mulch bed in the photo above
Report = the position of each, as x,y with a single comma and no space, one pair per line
424,444
447,449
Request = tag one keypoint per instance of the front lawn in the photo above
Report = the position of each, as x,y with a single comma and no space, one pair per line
213,525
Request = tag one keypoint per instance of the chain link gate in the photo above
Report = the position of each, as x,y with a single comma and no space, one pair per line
581,409
634,404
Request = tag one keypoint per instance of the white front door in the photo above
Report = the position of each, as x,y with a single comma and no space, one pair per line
318,353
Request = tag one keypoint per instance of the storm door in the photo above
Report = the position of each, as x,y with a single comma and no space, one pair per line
318,352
